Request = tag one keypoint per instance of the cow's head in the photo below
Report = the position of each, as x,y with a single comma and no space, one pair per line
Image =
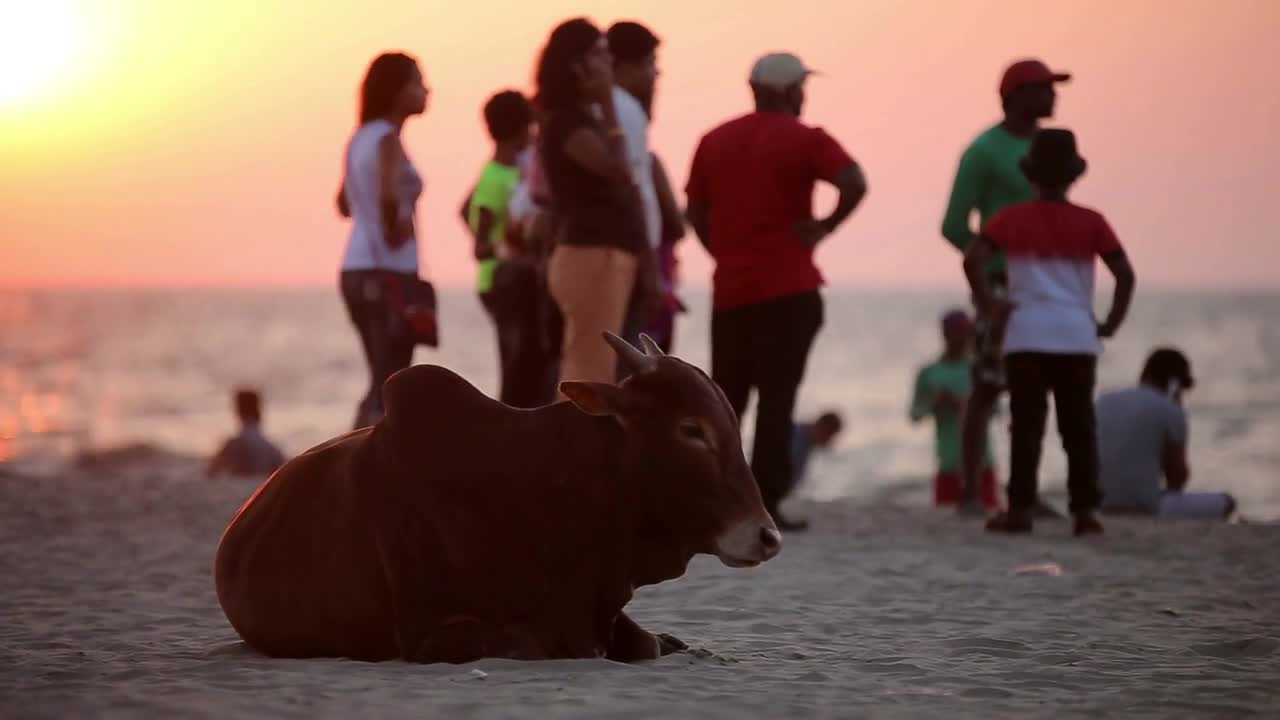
690,482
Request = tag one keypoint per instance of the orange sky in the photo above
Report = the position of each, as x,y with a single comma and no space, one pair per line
159,144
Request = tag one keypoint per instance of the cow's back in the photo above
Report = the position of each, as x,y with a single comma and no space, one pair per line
513,504
297,570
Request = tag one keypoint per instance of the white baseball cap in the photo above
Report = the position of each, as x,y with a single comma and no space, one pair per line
779,71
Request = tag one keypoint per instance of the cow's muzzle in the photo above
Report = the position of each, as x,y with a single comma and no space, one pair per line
749,543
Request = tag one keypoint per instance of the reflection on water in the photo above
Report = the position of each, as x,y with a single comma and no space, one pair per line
95,369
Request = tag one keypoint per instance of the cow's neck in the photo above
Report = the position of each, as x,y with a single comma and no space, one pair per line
656,559
634,527
656,550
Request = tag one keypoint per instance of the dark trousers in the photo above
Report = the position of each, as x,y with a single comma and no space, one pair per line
766,347
660,325
527,367
365,295
633,323
662,328
1070,378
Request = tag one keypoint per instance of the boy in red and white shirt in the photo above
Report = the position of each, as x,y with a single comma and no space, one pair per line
1051,338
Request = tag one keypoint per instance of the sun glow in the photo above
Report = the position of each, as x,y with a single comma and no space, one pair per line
39,44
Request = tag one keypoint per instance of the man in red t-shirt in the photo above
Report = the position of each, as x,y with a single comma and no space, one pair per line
750,195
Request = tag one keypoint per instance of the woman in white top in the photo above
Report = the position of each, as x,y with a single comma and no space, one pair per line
380,190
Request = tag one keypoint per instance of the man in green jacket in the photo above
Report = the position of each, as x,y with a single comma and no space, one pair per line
988,180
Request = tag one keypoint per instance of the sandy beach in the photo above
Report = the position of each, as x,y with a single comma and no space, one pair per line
882,610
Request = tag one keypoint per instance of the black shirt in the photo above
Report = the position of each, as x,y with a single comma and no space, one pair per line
595,211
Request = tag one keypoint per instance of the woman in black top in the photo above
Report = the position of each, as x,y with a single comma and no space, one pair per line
601,255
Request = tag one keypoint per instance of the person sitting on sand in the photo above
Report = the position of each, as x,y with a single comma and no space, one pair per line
1052,338
941,390
249,452
1142,434
809,436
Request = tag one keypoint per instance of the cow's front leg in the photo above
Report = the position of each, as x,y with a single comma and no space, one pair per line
630,643
671,643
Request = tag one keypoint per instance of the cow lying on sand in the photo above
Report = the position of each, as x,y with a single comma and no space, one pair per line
459,528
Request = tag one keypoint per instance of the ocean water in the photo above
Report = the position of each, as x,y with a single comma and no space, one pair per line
83,371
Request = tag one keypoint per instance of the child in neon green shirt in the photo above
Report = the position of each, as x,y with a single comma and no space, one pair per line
507,277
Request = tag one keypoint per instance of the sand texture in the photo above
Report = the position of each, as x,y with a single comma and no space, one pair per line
882,610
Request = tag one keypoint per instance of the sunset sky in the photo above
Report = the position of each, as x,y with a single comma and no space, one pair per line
157,143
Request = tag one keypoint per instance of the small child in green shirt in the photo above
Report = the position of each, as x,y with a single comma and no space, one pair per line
941,389
508,277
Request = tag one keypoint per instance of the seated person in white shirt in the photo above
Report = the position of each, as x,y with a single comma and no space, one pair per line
1142,445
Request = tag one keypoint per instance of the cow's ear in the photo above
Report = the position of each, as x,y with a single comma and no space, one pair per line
595,398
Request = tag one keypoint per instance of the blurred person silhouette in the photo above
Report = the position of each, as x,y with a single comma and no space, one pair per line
988,180
379,193
602,252
750,197
1051,336
248,452
1142,439
941,390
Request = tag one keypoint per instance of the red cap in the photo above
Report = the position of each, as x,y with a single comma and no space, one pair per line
1028,72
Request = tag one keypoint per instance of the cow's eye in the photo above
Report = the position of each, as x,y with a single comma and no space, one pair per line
692,430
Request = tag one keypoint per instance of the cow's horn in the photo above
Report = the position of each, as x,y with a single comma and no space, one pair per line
649,346
636,360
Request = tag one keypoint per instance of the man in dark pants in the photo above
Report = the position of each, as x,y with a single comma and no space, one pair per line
988,180
634,48
1052,338
750,192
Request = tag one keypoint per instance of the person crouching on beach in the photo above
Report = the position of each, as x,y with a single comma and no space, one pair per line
806,437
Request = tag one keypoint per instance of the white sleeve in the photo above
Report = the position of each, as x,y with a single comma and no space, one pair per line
520,204
634,124
635,129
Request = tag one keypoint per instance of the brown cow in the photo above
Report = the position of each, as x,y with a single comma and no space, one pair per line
459,528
